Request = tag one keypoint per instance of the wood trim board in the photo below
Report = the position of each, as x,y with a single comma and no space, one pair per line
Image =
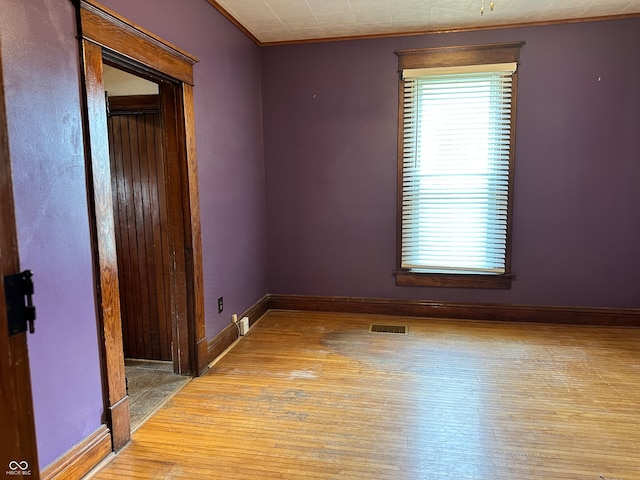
447,30
566,315
133,104
108,29
563,315
229,334
194,231
221,342
103,237
81,458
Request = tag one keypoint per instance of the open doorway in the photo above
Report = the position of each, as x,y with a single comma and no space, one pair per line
140,209
107,38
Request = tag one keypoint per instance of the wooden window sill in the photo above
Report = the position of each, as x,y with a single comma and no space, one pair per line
411,279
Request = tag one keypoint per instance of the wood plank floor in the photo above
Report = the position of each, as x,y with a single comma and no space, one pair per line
316,396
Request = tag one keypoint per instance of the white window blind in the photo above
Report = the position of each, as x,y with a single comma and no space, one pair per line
455,169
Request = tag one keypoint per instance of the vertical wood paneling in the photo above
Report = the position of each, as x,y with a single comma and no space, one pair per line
145,248
174,187
160,242
121,194
144,336
141,236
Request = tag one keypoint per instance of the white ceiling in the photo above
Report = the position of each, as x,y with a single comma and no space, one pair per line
272,21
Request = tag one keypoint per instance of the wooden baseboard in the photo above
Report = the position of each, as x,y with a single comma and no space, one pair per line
221,342
495,312
257,310
80,459
620,317
229,334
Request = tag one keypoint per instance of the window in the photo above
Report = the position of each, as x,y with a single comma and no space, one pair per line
455,165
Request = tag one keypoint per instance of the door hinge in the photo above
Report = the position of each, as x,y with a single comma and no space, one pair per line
18,289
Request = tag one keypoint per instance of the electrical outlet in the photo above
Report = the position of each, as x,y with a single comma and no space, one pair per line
220,305
234,318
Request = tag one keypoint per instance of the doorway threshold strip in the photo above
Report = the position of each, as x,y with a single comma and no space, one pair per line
401,329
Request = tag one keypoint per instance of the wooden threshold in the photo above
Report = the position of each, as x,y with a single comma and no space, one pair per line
314,395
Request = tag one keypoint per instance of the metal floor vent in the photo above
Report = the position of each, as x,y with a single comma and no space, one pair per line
402,329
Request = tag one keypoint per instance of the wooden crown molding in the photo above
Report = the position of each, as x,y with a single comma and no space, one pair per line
232,19
416,33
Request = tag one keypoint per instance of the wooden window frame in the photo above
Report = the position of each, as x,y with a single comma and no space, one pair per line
455,56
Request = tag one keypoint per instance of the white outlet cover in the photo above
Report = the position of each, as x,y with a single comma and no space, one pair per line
244,326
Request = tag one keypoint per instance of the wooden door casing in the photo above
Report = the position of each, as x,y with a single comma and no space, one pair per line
108,37
140,211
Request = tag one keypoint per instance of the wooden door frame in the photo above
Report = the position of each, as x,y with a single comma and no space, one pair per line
17,426
104,35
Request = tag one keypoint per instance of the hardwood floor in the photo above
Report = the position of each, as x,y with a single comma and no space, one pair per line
315,395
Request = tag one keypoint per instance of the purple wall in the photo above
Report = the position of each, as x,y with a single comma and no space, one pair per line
229,147
43,101
330,116
330,145
45,134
